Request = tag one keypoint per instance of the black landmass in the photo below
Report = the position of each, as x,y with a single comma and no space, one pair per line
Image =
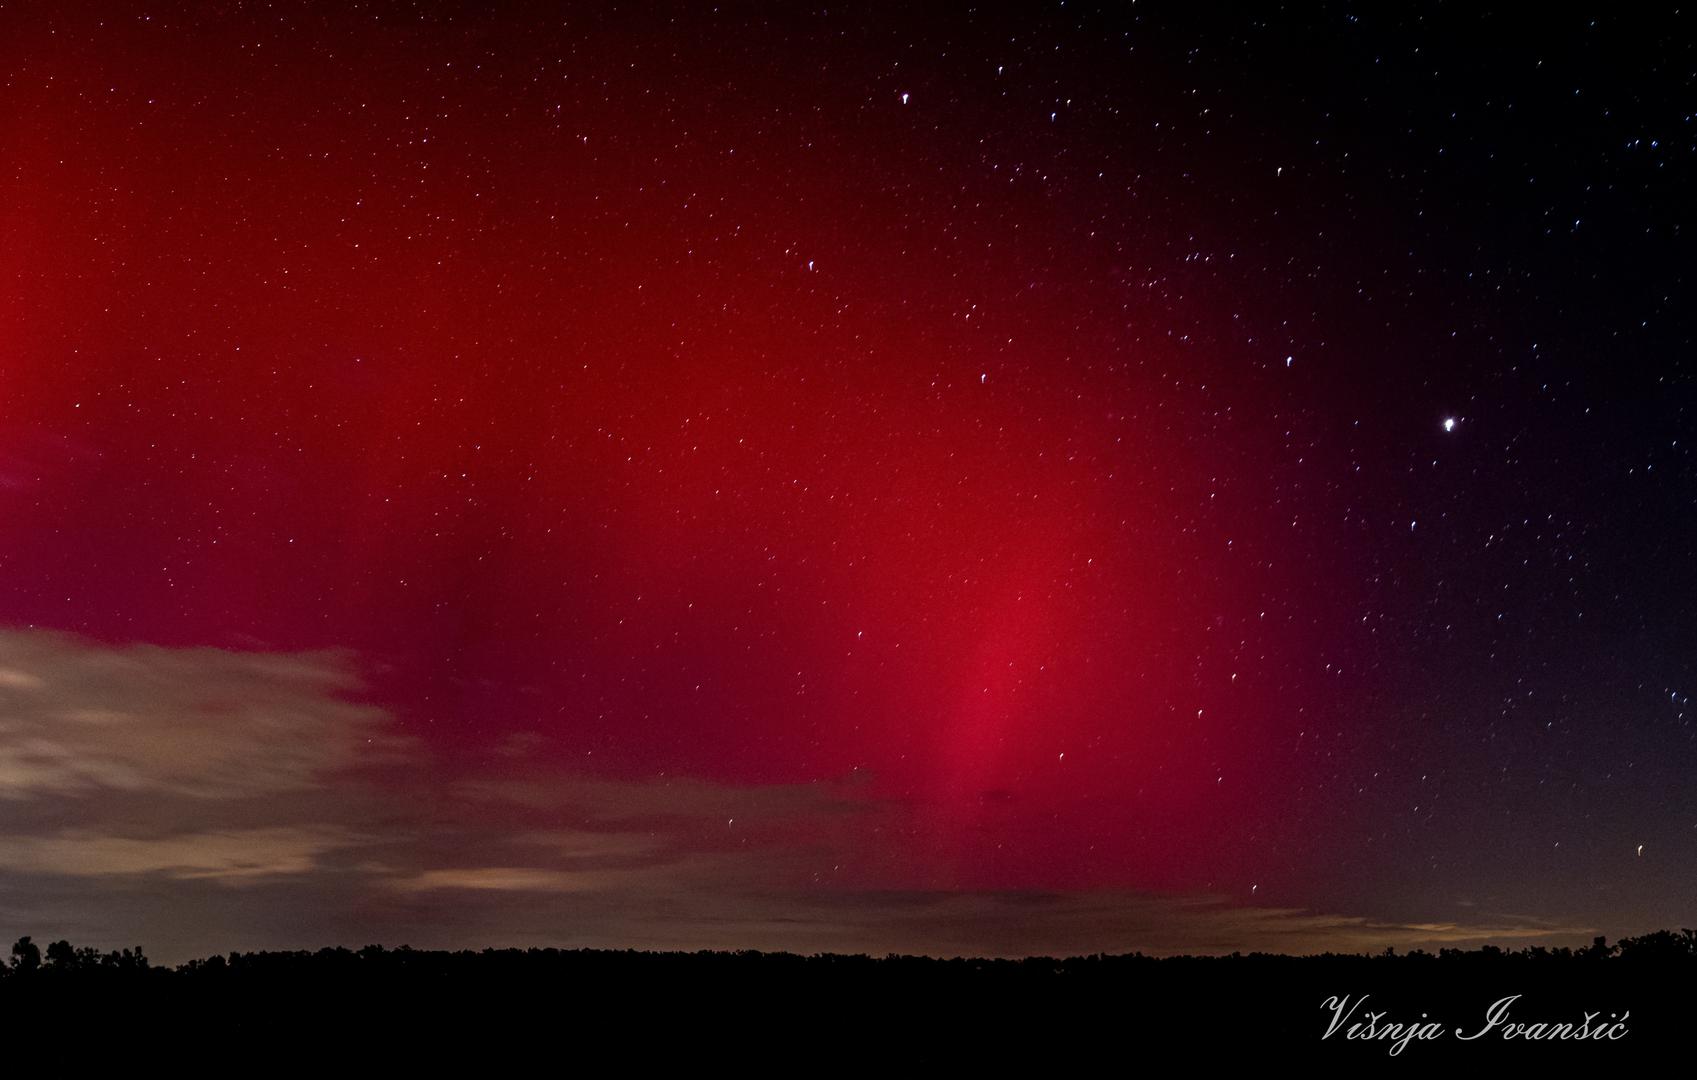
1592,1007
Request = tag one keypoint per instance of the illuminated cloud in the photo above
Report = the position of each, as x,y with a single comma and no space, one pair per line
144,784
231,857
77,717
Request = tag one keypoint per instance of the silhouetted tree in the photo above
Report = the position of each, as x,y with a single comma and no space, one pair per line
1660,945
26,955
61,956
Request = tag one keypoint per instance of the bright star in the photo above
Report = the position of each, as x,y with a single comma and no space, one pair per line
1449,423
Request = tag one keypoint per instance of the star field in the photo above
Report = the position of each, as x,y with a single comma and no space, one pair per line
1132,449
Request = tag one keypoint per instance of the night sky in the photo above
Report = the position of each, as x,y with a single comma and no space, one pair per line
1026,478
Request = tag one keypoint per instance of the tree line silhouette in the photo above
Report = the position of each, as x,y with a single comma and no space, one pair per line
62,959
942,1011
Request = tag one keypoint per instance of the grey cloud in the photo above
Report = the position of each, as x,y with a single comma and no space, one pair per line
200,800
78,717
234,856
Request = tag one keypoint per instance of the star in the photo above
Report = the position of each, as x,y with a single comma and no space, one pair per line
1449,423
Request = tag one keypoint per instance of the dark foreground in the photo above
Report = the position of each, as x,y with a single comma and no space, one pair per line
1593,1007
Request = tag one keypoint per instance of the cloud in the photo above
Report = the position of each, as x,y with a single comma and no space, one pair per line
78,717
507,878
237,856
199,800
